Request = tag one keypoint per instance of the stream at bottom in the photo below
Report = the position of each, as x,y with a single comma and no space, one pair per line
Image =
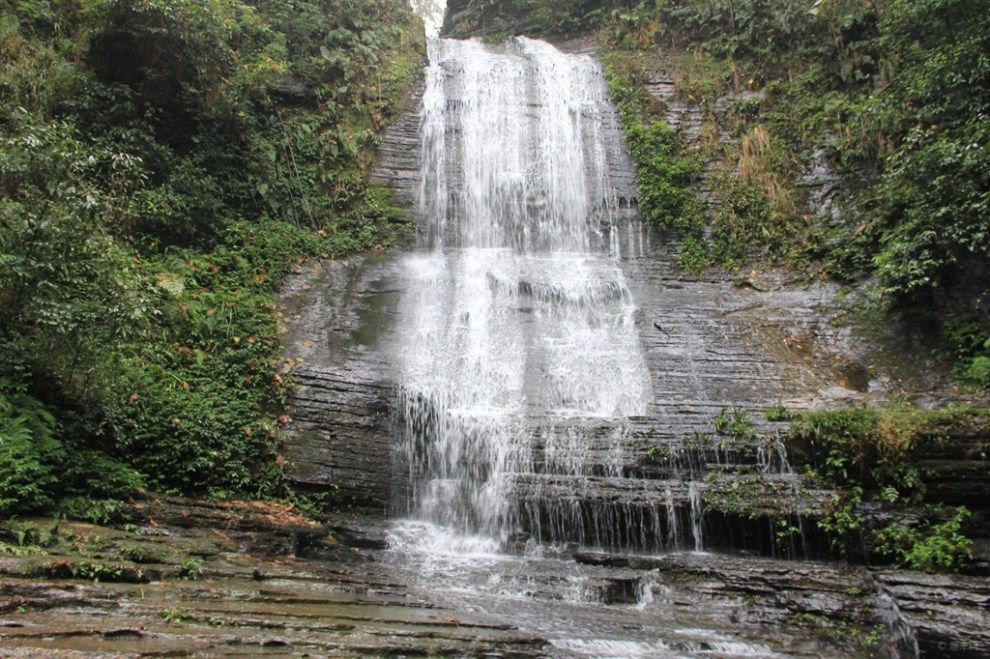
581,609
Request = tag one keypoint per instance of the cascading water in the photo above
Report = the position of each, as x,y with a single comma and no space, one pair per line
524,396
521,324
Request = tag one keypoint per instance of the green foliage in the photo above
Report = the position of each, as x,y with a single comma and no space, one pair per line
927,546
778,413
30,534
665,181
935,209
70,288
844,521
531,17
868,448
103,511
174,55
666,177
162,166
94,571
868,455
141,554
735,423
29,452
977,371
551,16
761,31
630,28
19,551
176,614
892,95
758,206
968,346
190,570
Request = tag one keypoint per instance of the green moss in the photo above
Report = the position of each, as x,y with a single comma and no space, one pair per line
868,455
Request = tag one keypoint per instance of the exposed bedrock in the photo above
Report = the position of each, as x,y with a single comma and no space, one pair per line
599,487
930,615
398,154
743,340
709,345
341,406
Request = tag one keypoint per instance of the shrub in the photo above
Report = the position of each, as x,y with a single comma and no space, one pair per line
163,164
927,546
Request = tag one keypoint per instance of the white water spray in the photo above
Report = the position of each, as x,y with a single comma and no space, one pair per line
519,310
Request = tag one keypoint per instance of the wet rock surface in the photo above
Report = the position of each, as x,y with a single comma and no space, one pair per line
210,579
745,342
334,315
748,340
946,614
398,157
943,615
270,582
241,579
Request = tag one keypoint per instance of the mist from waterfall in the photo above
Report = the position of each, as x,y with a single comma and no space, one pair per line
432,12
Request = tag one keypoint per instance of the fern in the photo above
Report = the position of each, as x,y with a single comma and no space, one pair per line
29,450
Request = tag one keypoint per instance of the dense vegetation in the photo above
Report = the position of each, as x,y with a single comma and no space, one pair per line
870,457
891,95
892,98
878,485
162,165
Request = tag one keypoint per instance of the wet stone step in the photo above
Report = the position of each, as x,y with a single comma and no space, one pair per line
176,622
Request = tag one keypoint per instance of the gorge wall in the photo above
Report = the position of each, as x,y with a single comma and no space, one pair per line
710,343
698,467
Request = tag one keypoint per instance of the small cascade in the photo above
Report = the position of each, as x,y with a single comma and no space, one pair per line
673,534
697,516
771,457
904,642
644,594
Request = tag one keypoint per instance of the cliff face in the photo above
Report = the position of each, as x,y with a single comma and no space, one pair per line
342,440
724,340
723,347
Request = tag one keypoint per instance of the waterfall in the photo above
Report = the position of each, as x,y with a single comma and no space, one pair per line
521,327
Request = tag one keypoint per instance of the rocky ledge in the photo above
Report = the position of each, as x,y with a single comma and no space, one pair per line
188,577
883,612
